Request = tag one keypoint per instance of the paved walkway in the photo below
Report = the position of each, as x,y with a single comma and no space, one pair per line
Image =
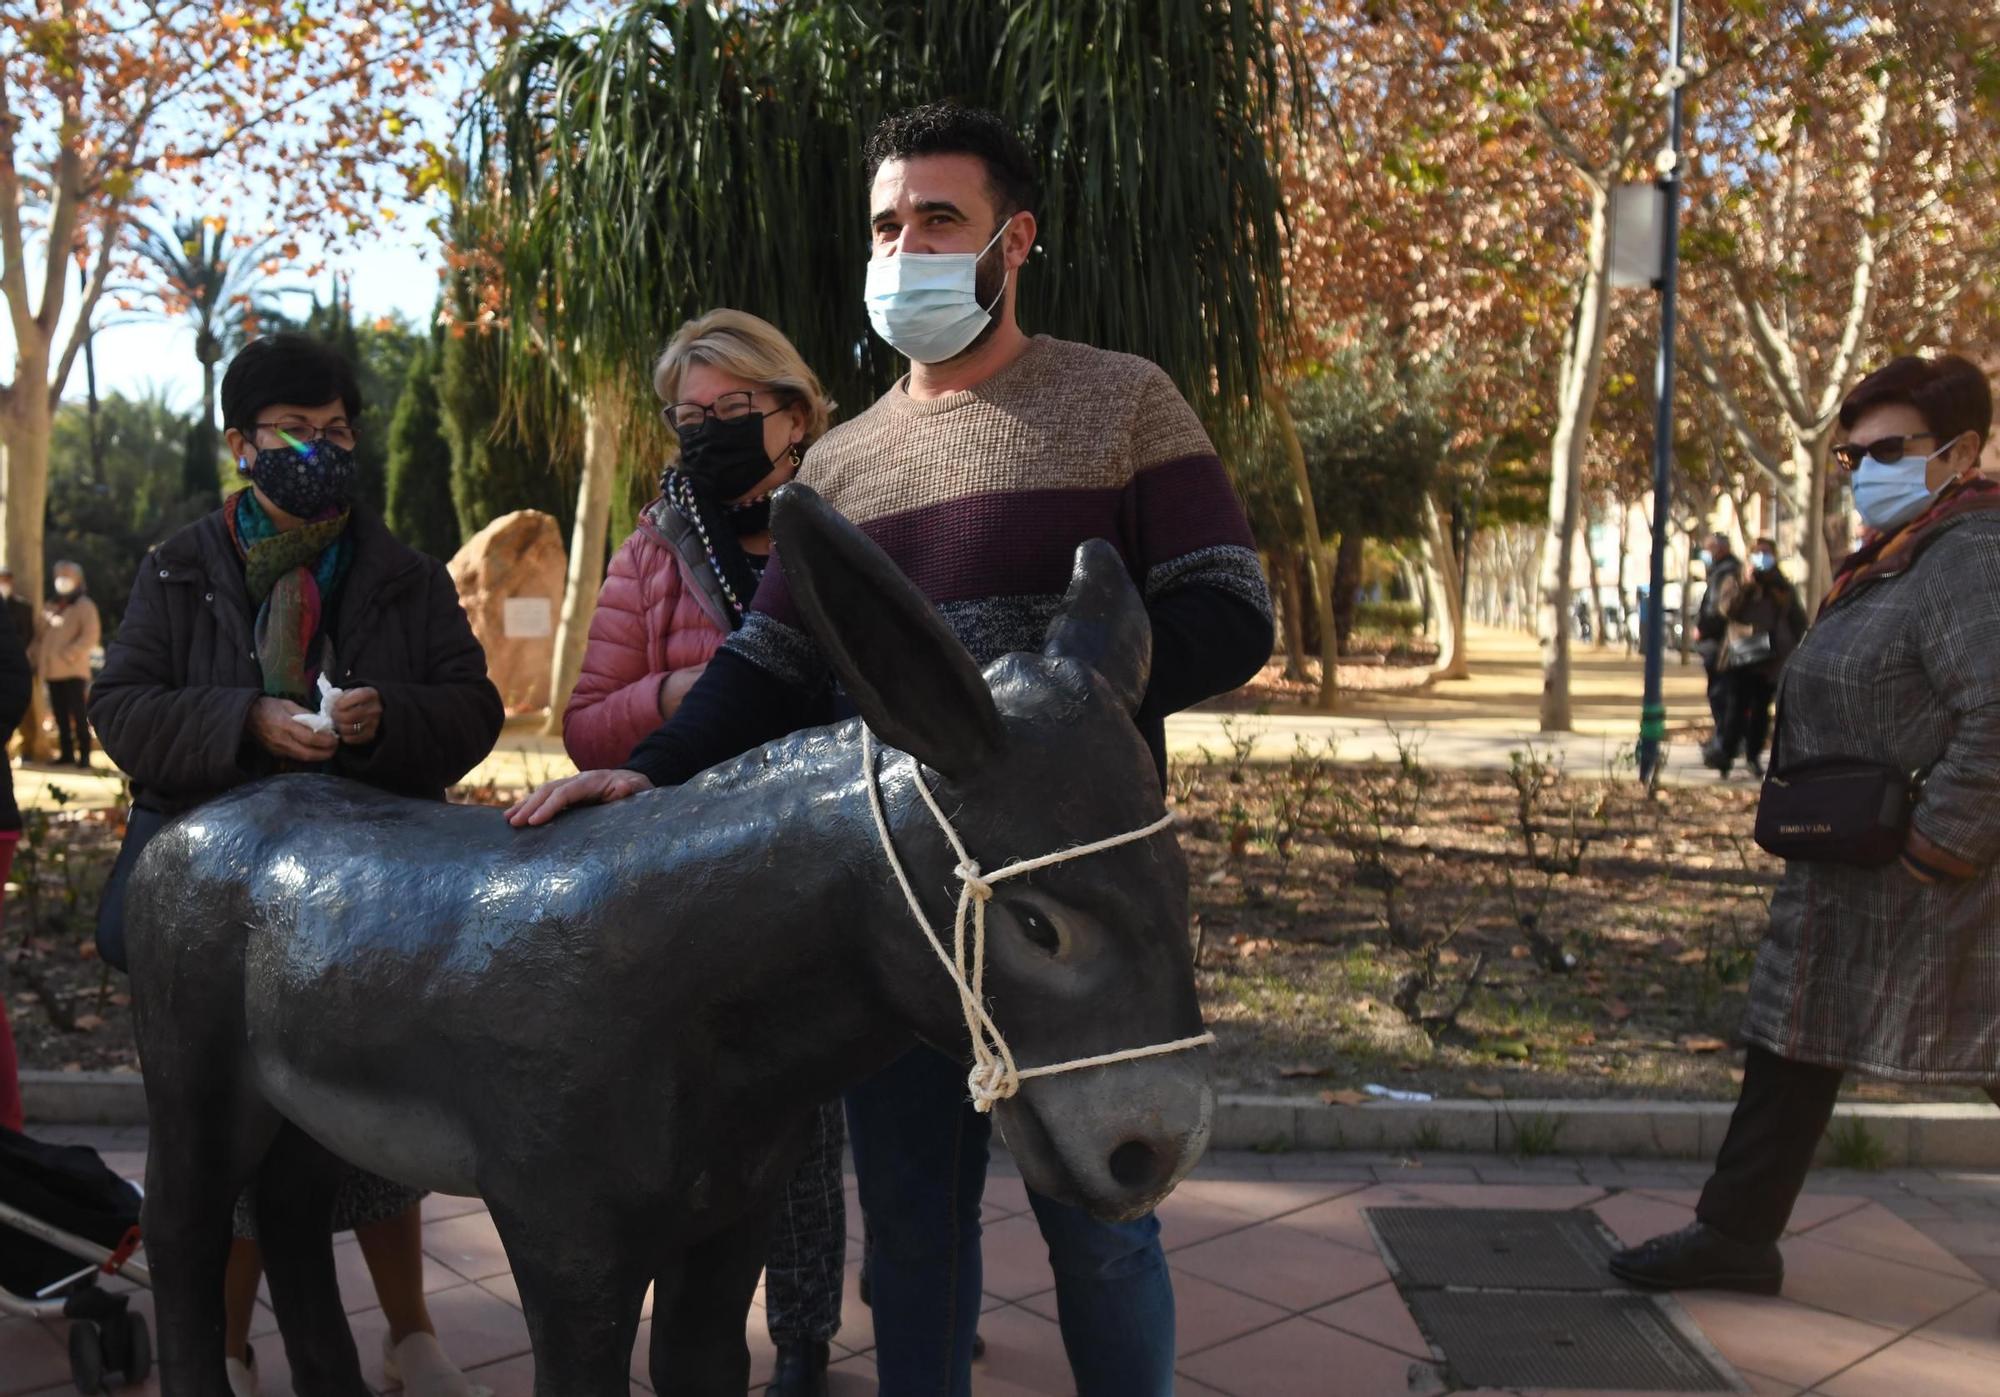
1893,1291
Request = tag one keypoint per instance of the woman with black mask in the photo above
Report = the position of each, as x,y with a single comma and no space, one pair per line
743,407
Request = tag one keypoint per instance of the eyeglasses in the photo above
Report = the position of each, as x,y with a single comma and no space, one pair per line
1850,454
726,408
301,433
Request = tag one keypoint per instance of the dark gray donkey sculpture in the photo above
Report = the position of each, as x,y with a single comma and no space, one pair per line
614,1028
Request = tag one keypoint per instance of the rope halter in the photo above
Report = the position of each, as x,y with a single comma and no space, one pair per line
994,1076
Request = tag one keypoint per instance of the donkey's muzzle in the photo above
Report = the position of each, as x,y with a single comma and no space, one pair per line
1114,1140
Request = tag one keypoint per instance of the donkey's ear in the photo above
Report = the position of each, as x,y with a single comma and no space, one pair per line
1104,623
911,680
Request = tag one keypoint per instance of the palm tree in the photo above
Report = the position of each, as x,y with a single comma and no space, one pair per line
682,156
220,289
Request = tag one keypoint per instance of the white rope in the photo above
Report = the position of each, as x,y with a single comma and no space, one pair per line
994,1076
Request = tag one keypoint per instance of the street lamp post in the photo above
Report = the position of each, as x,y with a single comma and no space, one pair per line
1653,713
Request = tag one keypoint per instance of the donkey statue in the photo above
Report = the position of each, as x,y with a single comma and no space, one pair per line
614,1028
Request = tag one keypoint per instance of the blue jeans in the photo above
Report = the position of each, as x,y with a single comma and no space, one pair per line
920,1158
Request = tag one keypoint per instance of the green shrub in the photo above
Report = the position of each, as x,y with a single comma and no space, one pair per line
1389,617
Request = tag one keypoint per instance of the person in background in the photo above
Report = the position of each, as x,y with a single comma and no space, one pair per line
21,617
16,682
1766,622
743,407
231,624
70,633
1890,969
1725,575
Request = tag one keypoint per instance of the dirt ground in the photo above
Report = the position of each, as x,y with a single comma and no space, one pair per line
1356,925
1390,925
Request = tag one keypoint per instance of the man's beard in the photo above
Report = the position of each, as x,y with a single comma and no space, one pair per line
988,285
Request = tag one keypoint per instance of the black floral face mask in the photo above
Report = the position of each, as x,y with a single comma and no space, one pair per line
308,482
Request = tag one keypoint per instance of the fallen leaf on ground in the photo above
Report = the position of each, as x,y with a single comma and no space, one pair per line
1509,1048
1344,1098
89,1023
1305,1069
1519,952
1491,1091
1702,1043
1618,1009
1656,990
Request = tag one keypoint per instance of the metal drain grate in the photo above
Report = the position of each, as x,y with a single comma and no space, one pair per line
1625,1343
1507,1248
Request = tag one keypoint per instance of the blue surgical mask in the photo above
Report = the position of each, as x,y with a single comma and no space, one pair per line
1708,557
926,304
1892,493
1761,561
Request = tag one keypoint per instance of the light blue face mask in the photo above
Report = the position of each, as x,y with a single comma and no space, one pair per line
926,304
1890,493
1761,561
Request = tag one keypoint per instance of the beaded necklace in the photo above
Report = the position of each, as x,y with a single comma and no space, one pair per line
680,493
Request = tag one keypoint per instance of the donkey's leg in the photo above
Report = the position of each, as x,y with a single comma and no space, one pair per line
202,1147
295,1189
582,1278
698,1324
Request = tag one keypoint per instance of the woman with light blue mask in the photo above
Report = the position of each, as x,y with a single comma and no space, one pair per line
1890,969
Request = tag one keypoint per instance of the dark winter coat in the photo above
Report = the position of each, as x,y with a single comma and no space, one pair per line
172,703
1766,604
16,681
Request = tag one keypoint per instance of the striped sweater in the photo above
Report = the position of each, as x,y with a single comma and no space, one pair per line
982,498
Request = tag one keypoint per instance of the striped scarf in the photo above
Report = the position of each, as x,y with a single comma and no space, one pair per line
292,577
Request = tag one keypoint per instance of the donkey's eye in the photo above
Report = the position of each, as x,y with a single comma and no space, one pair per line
1036,927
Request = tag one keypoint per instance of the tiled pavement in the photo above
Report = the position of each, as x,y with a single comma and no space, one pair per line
1893,1285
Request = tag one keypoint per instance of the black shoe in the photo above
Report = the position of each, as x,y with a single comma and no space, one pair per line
1754,766
1711,754
1699,1258
801,1371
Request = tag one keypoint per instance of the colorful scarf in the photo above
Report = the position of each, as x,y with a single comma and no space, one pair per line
292,577
1888,553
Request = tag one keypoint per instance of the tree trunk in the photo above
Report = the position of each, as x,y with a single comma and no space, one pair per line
1582,374
1441,573
603,426
25,425
1315,543
1346,582
1625,627
1687,600
1285,567
1597,637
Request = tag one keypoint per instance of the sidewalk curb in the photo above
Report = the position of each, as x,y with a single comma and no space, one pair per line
1934,1135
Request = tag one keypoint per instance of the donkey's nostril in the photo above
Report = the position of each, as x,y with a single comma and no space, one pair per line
1134,1164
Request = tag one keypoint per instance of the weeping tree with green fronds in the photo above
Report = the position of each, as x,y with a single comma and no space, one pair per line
681,157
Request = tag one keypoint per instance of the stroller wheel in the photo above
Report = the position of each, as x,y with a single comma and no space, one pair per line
86,1356
138,1349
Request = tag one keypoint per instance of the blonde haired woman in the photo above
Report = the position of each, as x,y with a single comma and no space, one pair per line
743,407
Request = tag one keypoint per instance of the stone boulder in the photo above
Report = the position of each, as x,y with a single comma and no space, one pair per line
510,580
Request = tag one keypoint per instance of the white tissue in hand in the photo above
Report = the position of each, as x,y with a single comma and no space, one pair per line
321,721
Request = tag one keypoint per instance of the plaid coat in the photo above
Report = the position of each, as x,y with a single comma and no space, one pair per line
1870,968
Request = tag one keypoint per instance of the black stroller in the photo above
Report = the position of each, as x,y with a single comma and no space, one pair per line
61,1206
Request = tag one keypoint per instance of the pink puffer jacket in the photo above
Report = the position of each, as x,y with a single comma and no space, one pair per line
660,611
